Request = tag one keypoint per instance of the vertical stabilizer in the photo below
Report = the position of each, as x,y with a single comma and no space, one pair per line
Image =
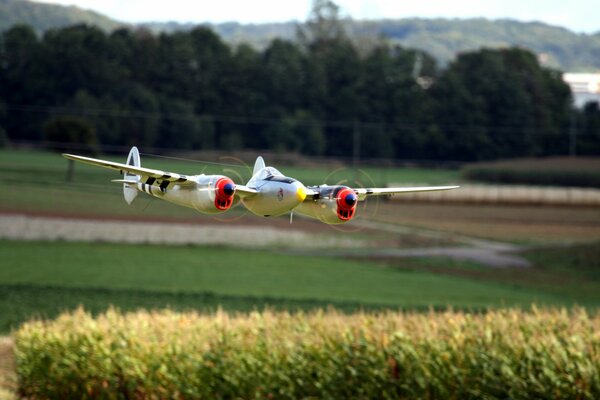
130,192
258,165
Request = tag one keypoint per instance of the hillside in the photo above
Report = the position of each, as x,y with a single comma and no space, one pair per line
46,16
443,38
557,46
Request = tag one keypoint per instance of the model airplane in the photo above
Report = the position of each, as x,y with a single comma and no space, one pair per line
267,193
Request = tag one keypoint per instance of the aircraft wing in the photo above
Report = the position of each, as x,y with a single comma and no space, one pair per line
244,191
146,172
363,193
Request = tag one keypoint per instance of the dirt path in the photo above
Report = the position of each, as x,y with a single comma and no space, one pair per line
27,227
297,241
485,252
493,258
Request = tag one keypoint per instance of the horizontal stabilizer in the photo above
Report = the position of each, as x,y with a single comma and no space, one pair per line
130,181
131,169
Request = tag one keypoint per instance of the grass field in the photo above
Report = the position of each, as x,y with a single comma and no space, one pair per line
41,278
44,278
37,183
48,166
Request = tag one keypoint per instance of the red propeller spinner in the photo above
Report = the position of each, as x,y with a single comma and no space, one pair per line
224,191
346,204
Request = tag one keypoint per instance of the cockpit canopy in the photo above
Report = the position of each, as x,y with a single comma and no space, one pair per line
267,172
272,174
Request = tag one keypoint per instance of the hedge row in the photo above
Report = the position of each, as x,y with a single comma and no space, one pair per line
493,174
163,354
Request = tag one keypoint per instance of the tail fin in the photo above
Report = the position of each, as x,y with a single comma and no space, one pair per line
130,192
258,165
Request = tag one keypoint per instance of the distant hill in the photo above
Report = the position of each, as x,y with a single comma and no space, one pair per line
443,38
43,16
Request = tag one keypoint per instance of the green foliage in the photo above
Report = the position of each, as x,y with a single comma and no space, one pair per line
64,132
3,138
324,24
491,104
589,128
503,354
191,90
443,38
43,279
23,301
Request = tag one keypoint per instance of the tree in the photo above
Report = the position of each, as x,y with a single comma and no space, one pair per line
588,141
323,24
23,82
3,136
66,133
192,90
310,133
394,99
210,66
498,104
77,58
139,123
182,129
284,67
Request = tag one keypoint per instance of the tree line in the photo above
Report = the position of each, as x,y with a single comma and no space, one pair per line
321,94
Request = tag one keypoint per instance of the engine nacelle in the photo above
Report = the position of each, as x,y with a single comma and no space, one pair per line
212,194
335,205
346,201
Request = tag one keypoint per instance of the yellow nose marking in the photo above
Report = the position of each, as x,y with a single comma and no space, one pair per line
301,194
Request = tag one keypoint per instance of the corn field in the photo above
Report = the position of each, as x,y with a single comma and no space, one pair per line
262,355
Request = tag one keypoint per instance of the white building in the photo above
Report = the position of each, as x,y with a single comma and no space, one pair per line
585,87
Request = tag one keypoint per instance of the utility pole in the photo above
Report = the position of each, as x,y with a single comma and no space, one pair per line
356,148
70,171
573,135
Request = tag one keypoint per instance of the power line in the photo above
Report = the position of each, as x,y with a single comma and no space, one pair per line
350,124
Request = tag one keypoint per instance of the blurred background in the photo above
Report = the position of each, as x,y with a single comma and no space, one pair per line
504,104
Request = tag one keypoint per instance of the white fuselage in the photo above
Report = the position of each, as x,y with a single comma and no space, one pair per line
277,194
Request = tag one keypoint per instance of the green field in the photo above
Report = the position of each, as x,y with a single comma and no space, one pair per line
42,278
36,182
47,166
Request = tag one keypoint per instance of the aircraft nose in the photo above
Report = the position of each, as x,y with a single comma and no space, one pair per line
300,192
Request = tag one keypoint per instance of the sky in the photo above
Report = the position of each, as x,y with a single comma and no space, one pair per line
576,15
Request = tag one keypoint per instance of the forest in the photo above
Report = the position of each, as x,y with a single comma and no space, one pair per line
321,94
